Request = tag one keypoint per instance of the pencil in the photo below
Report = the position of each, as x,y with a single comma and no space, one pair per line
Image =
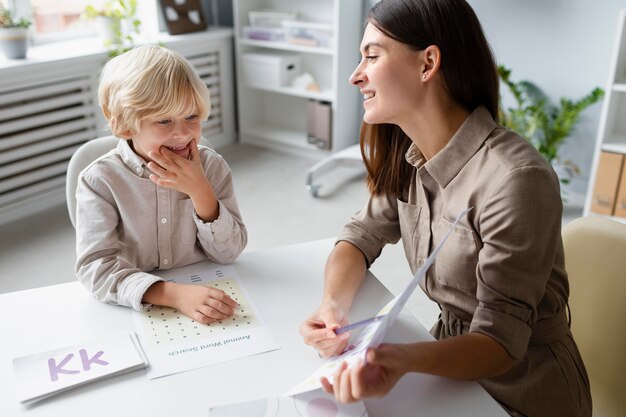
358,324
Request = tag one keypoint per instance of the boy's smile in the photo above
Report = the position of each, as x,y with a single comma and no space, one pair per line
173,133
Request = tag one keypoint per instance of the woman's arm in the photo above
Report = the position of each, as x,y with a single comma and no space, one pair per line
343,275
468,357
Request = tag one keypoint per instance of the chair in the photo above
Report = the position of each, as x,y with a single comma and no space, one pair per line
83,156
350,156
595,259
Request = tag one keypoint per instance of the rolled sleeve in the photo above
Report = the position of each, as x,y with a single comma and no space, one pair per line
520,226
224,238
373,227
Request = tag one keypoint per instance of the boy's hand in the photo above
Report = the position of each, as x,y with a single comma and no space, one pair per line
203,304
187,176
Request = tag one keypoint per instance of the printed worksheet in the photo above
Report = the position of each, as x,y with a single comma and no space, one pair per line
175,343
375,328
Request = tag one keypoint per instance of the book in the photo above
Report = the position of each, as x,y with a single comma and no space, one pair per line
311,403
44,374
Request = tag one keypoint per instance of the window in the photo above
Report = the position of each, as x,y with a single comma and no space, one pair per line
59,16
57,20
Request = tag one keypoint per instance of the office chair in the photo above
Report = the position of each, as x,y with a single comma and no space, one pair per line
595,259
83,156
350,156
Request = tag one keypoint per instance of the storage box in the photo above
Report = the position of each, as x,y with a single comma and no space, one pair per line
263,34
269,69
309,33
270,18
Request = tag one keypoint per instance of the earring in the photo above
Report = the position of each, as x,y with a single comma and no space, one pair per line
424,76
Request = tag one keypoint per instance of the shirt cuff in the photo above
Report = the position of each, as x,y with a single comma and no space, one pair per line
512,333
371,252
219,229
133,288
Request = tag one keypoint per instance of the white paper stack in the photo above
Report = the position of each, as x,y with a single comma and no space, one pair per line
44,374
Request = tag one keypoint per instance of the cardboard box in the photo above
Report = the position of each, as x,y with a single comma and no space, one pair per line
607,181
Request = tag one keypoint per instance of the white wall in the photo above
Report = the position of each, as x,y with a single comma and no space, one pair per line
563,46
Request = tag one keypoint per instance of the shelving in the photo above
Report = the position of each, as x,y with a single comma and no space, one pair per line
276,116
608,173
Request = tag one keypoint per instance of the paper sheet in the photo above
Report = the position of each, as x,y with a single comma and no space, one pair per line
372,334
175,343
308,404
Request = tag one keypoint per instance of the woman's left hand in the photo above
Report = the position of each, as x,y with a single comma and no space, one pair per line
375,378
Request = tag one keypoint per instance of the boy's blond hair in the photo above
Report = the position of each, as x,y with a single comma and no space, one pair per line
149,81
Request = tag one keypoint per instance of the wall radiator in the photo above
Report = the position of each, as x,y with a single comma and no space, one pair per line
47,110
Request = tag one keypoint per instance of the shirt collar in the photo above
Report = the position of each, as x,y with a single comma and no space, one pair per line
130,158
463,145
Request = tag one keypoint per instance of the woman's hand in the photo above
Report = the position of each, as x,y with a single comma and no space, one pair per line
318,329
375,378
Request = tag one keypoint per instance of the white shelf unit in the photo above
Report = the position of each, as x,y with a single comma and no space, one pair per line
612,130
48,108
275,117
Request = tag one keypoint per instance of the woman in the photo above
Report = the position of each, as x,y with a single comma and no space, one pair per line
432,148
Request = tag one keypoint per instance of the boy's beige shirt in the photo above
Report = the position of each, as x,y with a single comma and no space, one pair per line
127,226
501,272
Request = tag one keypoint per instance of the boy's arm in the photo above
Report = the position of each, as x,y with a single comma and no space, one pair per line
224,238
207,180
101,265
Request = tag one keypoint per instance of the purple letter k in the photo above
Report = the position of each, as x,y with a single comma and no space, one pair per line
55,369
88,361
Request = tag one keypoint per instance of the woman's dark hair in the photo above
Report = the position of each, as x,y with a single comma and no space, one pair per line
467,67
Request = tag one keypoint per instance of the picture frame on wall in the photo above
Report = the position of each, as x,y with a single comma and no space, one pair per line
183,16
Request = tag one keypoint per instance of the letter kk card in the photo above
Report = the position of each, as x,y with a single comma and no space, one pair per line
41,375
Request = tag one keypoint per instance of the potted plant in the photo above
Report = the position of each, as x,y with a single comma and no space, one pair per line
117,23
13,34
542,123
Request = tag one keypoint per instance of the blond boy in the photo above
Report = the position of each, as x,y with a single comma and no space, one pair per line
159,200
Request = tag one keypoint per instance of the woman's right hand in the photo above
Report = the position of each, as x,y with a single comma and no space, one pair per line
318,329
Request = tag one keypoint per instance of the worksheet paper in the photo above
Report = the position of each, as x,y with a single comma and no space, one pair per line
373,333
308,404
175,343
43,374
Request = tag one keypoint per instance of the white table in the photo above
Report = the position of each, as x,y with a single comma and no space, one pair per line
286,285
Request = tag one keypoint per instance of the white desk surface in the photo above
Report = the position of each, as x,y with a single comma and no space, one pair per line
286,285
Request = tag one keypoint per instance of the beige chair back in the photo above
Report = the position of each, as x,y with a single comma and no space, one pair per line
83,156
595,259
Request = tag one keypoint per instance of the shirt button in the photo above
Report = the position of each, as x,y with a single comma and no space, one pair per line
163,220
166,261
138,170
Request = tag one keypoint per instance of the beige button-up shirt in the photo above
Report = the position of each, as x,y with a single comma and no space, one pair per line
501,272
127,226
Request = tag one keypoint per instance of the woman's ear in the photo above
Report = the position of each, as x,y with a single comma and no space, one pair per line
431,60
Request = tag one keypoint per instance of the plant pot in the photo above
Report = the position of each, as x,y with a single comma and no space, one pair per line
14,42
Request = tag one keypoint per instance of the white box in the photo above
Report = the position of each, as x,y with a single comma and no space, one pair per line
269,69
269,18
